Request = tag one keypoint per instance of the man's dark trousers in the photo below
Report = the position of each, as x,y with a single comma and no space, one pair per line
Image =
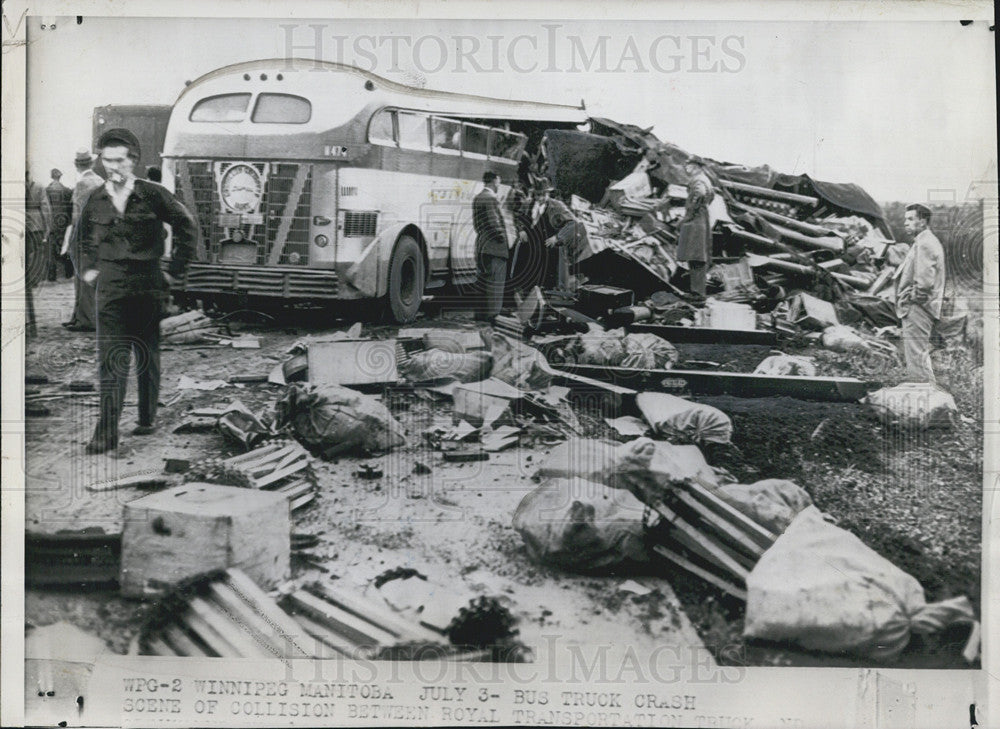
128,324
492,275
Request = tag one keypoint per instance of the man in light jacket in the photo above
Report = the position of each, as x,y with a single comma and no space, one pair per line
919,293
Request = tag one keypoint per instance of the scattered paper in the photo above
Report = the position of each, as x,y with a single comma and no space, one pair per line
628,425
634,587
186,383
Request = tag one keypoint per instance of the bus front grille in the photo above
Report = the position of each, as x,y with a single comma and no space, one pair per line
280,228
260,281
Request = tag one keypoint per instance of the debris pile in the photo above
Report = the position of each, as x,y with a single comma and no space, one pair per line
791,254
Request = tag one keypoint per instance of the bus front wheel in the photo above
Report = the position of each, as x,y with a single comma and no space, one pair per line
406,280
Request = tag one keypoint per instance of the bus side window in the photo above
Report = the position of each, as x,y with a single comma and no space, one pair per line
506,145
474,139
412,130
447,135
380,131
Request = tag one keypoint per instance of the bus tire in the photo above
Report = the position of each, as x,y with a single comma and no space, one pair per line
406,280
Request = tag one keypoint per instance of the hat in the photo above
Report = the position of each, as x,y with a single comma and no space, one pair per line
121,137
922,210
695,160
541,184
83,157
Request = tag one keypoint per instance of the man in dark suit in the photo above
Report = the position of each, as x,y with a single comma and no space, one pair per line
84,317
491,247
61,203
121,243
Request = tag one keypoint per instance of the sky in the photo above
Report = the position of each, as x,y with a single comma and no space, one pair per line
905,109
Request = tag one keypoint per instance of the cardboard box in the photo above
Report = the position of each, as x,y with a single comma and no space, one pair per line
197,527
811,313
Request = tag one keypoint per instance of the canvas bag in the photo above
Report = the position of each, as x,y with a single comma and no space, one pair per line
917,405
820,588
668,414
331,420
773,503
438,364
580,525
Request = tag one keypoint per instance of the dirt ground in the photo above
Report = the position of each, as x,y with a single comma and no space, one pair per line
453,524
917,501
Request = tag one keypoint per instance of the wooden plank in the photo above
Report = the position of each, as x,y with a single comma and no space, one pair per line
288,214
267,462
209,635
250,593
725,529
326,636
283,473
706,335
768,192
374,613
295,489
700,542
709,496
739,384
227,598
299,501
251,456
799,225
791,267
738,593
829,243
236,634
341,621
182,643
158,648
297,452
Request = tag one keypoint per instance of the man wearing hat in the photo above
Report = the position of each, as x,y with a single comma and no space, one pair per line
84,318
121,242
61,204
919,286
491,247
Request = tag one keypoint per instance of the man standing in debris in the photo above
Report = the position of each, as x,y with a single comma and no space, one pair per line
84,316
61,203
122,240
491,247
694,243
569,238
919,292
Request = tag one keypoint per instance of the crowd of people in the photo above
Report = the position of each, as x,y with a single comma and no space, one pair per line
548,241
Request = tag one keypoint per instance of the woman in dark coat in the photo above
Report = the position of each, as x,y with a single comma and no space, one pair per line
694,244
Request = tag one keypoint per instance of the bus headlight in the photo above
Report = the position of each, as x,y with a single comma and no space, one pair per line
321,241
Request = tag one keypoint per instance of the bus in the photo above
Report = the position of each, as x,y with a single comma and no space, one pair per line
319,182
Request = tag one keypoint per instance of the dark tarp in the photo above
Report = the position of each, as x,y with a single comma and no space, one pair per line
844,198
585,164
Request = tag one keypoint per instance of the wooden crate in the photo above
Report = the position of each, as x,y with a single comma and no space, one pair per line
197,527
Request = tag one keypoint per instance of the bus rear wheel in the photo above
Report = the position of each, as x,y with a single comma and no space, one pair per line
406,280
